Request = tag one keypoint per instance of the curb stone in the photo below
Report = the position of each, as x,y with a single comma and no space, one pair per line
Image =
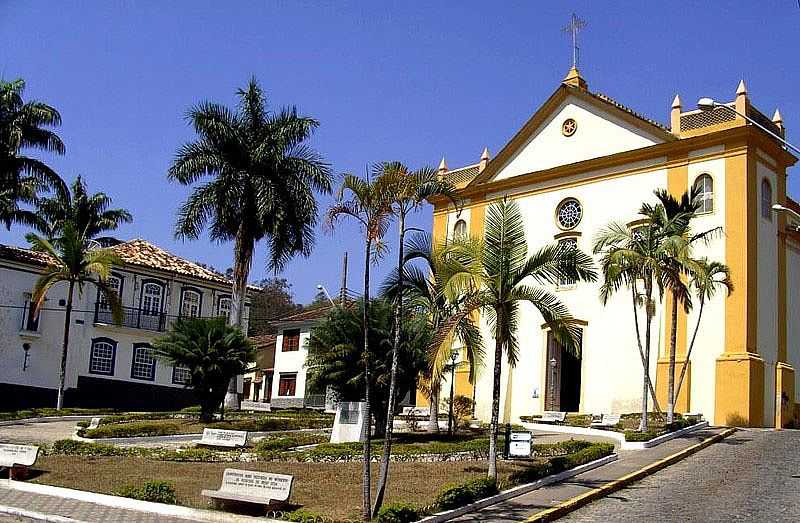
577,502
37,516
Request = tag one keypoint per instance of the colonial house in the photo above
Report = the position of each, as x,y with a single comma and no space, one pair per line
257,381
108,365
584,160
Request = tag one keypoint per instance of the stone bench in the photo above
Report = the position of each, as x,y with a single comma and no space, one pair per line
550,416
607,420
17,458
223,438
256,406
252,486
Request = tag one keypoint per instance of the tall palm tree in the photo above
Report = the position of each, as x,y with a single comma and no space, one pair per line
369,203
263,179
213,351
497,275
409,190
24,125
74,263
90,214
706,278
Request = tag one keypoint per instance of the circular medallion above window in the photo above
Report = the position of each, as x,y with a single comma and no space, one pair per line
569,213
569,127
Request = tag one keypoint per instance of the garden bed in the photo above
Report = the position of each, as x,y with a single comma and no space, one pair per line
628,425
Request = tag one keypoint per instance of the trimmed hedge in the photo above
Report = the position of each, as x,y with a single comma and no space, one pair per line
48,412
270,446
69,447
581,452
133,429
398,513
460,494
155,491
304,516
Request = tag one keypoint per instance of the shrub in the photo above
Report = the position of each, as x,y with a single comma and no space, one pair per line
304,516
68,447
155,491
273,445
591,453
457,495
398,513
133,429
531,473
635,435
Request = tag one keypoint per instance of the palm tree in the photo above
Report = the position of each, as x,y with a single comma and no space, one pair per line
409,190
496,275
73,262
24,125
264,176
369,203
706,278
213,351
88,213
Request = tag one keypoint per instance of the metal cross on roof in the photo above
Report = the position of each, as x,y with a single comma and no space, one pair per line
575,25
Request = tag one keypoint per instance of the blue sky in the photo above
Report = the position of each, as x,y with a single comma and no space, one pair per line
388,80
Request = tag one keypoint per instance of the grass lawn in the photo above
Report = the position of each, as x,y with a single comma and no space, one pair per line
333,489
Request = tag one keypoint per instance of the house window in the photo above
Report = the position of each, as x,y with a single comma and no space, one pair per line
287,384
569,245
181,374
143,366
101,358
460,230
30,318
569,213
704,189
224,307
291,340
151,298
190,303
766,200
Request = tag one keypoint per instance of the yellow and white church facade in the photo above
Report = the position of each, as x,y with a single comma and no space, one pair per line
583,161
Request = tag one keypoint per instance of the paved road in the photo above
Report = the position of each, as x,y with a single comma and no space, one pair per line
751,476
40,432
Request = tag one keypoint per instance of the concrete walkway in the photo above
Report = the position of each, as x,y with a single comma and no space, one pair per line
37,432
522,507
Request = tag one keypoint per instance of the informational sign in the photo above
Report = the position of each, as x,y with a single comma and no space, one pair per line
348,425
11,455
252,486
255,406
223,438
520,445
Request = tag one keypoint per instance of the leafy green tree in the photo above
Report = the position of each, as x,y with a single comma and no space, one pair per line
213,351
369,203
76,264
336,357
409,191
24,125
90,214
263,179
273,301
496,275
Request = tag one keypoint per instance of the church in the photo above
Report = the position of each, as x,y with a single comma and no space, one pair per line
584,160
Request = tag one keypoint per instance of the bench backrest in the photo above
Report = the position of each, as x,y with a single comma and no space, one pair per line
224,438
11,455
550,415
274,487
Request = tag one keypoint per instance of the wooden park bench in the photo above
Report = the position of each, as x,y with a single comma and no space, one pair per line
223,438
607,420
251,486
550,416
17,459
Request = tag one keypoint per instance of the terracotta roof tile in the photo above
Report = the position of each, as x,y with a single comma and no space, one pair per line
18,254
609,100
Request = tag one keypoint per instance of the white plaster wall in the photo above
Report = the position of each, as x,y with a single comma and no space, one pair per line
793,311
710,341
292,361
767,293
611,366
548,147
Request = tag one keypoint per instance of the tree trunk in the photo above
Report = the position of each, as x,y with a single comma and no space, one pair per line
398,331
243,259
450,407
433,415
673,340
498,368
689,352
367,491
62,375
648,328
656,406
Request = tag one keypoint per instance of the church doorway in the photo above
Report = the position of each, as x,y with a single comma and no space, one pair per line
563,377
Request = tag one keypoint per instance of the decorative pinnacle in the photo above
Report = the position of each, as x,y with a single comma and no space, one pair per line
485,154
676,103
442,165
777,118
741,89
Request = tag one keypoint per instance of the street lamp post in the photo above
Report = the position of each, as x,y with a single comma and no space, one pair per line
794,214
707,104
322,288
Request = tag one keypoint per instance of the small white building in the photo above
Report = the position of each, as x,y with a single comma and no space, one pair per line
108,365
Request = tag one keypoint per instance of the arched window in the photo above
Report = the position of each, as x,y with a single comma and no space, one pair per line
114,283
143,366
101,359
766,200
224,307
567,244
190,303
151,298
704,187
460,229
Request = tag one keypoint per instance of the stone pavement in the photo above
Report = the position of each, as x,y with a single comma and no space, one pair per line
521,507
753,475
74,509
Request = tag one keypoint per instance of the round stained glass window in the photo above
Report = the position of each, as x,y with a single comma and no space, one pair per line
569,213
569,127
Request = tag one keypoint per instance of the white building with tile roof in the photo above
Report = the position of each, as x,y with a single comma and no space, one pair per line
109,365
